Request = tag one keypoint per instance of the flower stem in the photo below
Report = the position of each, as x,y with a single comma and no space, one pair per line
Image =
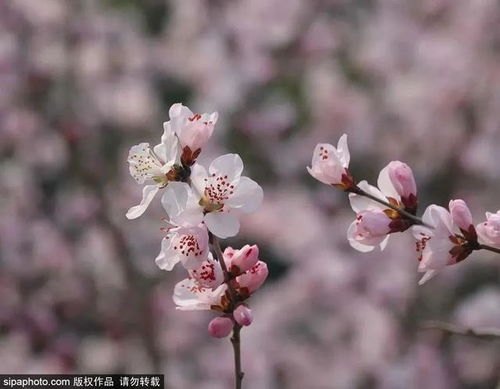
401,211
489,248
235,338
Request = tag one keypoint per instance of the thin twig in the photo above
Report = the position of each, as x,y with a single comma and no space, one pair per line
235,338
406,214
455,329
489,248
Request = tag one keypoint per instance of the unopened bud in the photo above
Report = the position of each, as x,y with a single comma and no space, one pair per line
220,327
243,315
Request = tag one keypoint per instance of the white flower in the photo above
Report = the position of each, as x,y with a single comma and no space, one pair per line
439,246
329,164
189,295
193,130
151,167
219,196
188,245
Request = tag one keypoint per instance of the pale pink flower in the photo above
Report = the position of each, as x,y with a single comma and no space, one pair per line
489,230
460,214
401,177
253,278
220,327
369,229
243,315
149,167
239,261
330,165
189,295
208,274
374,221
440,244
193,130
188,245
219,196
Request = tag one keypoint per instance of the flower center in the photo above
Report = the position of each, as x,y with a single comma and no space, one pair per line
217,191
188,245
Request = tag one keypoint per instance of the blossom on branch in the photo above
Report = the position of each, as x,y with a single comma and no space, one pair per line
441,244
489,230
330,165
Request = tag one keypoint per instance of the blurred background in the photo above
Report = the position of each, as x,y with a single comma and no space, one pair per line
82,81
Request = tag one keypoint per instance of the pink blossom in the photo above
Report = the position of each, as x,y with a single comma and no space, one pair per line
253,278
220,327
243,315
369,229
439,246
239,261
193,130
489,231
329,164
401,177
460,214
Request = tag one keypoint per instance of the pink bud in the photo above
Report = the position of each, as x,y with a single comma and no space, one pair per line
243,315
460,214
402,179
220,327
253,278
243,259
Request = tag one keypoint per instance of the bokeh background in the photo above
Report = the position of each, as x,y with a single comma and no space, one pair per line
82,81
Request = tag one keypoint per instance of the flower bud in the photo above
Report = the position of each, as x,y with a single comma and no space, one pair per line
220,327
489,231
402,179
253,278
369,230
460,214
243,315
239,261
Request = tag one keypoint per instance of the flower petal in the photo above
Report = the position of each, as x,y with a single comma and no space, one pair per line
222,224
361,203
181,204
385,184
167,258
247,196
198,178
228,164
343,151
148,193
427,276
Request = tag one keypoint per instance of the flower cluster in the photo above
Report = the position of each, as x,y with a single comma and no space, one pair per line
202,207
443,236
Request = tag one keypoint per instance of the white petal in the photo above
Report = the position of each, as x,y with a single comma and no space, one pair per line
181,204
178,109
167,258
354,243
148,193
343,151
228,164
427,276
198,176
361,203
383,244
185,298
247,196
438,217
385,184
222,224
